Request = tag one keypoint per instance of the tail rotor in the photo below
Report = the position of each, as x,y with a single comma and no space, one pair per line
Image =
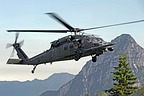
15,44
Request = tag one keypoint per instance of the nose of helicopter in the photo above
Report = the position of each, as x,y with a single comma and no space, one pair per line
104,43
109,43
109,46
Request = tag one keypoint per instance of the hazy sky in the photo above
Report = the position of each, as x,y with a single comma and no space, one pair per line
29,14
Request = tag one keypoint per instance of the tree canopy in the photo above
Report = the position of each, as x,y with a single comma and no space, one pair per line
123,79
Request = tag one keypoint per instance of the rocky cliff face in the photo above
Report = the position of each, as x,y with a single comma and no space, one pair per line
96,77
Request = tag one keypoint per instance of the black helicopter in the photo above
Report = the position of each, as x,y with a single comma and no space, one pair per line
66,48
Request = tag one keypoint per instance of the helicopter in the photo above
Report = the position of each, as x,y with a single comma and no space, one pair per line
74,46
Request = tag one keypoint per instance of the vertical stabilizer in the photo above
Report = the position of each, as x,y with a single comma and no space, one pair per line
21,54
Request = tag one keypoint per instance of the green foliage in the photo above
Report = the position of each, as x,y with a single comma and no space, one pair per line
87,94
124,79
102,94
142,91
139,92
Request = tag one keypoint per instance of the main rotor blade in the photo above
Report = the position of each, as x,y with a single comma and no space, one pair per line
60,20
112,25
45,31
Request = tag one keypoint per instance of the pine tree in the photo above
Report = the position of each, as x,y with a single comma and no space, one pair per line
102,94
124,79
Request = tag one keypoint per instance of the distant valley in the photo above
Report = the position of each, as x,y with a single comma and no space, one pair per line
35,87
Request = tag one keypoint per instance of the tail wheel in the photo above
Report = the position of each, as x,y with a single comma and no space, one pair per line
33,70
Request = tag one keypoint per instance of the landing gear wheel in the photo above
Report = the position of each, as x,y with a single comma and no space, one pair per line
34,69
94,58
78,55
77,58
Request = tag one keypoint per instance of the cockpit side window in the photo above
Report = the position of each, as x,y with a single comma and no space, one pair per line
88,39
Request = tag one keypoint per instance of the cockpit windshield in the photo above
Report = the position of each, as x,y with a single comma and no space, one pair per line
94,39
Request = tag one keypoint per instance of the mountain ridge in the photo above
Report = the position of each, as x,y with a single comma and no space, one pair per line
96,77
34,87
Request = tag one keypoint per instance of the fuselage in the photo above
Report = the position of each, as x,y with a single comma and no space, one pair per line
67,48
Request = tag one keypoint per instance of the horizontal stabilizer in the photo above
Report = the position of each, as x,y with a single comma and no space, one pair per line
13,61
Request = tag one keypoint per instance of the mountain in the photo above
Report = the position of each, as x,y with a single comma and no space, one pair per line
35,87
96,77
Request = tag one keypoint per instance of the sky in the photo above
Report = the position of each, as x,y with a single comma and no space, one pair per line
30,14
